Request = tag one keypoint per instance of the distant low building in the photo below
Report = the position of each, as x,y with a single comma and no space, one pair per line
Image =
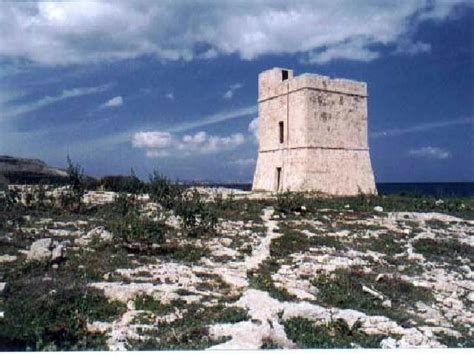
312,135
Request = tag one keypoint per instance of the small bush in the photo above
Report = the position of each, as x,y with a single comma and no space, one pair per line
72,200
198,216
8,199
290,202
130,230
335,334
163,191
137,234
130,184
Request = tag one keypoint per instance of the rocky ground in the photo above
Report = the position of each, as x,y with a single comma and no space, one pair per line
299,273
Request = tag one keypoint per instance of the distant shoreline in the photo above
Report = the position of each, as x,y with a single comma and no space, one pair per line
436,189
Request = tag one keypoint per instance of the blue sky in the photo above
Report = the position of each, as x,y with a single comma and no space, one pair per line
172,85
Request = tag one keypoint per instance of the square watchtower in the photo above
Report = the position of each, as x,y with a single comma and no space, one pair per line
312,135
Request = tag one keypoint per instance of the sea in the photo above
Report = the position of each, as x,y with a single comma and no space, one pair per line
414,189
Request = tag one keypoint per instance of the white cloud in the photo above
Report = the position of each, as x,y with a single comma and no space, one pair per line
21,109
430,152
68,32
152,139
412,48
253,128
114,102
160,144
421,128
229,94
170,96
354,50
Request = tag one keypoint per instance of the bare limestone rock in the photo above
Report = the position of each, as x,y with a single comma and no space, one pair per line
58,252
44,249
98,232
7,258
40,249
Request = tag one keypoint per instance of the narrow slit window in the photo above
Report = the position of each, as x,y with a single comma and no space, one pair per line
284,75
278,179
280,126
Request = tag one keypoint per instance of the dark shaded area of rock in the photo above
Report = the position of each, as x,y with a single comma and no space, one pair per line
14,170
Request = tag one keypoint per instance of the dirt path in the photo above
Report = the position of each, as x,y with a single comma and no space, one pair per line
235,273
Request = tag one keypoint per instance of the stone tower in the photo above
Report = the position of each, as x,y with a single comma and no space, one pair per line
312,135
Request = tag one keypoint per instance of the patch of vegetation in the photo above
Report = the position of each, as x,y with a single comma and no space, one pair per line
308,335
71,200
93,264
190,332
261,279
465,341
198,216
45,311
163,191
185,253
268,343
132,231
148,303
445,250
129,184
239,210
344,289
437,224
293,240
383,243
461,207
290,202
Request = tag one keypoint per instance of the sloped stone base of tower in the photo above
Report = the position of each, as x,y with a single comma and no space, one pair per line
335,172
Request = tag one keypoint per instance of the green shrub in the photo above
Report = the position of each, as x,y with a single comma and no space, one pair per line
289,202
163,191
132,231
198,216
8,199
131,184
336,334
137,234
71,200
52,314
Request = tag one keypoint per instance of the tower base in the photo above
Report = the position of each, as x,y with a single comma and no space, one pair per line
336,172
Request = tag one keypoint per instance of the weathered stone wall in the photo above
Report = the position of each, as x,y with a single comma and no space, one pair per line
325,146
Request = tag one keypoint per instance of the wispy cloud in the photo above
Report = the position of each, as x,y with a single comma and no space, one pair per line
49,100
113,102
213,119
170,96
421,128
430,152
229,94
